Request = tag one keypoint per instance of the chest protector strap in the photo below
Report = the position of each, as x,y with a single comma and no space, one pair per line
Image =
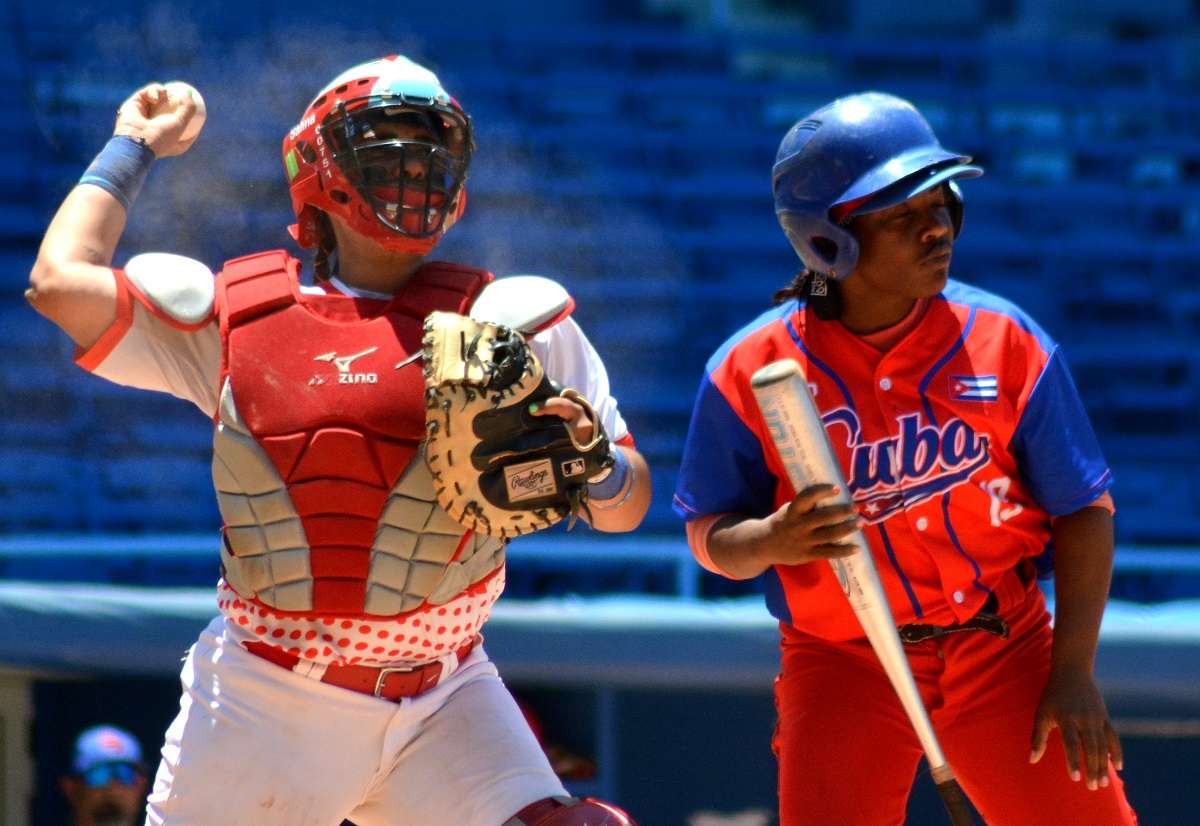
263,282
254,285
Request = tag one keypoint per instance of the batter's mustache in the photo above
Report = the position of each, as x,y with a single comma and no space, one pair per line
940,248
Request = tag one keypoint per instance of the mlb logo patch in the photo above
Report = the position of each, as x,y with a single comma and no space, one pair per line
573,467
974,388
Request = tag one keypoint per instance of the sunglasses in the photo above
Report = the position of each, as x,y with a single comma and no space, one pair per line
106,773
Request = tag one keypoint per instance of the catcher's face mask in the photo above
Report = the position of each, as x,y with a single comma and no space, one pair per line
407,163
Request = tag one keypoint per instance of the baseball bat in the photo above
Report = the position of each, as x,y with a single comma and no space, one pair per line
787,406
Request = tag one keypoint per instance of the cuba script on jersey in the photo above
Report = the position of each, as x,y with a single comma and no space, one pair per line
896,472
963,441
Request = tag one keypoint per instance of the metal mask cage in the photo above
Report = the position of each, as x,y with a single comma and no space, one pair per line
408,162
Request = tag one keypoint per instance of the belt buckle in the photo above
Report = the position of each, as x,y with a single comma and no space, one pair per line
915,633
383,673
993,624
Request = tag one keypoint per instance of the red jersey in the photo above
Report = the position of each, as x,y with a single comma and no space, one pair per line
958,444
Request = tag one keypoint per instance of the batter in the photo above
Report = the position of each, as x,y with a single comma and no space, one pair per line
968,455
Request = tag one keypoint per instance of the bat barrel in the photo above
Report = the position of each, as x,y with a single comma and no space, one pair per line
802,443
775,372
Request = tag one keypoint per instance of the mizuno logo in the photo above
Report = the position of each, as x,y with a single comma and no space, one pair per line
342,363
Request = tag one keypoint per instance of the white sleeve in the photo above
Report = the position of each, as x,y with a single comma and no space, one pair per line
569,359
146,348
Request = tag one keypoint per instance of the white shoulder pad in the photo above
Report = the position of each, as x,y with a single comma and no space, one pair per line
529,303
181,287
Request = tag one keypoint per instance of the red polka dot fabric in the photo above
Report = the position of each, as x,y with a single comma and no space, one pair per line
418,636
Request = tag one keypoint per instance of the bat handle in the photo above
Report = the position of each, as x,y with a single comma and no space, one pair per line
956,803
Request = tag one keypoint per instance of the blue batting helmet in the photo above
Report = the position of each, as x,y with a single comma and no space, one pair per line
859,154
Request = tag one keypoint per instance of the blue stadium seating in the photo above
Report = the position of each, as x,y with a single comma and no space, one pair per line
630,159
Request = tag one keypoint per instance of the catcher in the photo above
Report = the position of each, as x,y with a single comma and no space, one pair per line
378,438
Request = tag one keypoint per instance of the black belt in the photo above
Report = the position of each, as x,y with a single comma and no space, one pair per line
986,620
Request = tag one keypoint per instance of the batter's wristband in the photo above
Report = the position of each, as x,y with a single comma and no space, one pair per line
614,482
120,169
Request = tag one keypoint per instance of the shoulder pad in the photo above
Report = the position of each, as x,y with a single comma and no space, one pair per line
180,287
529,303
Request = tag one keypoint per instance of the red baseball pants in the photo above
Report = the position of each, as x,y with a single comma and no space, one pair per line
848,755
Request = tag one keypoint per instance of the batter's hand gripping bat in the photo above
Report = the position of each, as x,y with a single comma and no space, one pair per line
800,438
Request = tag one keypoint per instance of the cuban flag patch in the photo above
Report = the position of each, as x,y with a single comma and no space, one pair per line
974,388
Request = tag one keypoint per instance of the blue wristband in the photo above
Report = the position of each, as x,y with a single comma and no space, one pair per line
120,169
611,485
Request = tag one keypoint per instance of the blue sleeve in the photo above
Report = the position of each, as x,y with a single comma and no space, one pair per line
1055,445
723,470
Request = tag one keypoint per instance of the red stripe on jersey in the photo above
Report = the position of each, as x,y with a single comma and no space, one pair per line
92,357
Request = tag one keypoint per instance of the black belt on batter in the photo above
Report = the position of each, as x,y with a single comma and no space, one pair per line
986,620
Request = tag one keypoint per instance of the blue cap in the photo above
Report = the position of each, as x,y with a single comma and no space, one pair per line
105,744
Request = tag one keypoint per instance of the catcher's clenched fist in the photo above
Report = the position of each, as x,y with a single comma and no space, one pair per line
510,452
163,117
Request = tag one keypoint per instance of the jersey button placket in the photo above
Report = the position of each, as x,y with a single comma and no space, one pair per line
959,598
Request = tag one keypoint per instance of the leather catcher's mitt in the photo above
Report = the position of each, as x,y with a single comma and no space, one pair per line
498,469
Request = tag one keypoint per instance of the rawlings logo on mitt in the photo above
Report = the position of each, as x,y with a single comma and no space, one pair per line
498,469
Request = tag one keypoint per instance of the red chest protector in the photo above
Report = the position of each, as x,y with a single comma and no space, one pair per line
331,388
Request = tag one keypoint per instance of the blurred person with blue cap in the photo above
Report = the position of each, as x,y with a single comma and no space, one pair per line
107,784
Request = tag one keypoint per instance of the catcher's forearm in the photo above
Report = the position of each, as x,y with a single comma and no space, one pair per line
70,282
88,225
1083,555
625,511
86,228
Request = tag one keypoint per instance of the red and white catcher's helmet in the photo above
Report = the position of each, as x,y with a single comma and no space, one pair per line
384,147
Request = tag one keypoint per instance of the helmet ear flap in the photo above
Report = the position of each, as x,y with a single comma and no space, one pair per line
823,246
954,202
847,253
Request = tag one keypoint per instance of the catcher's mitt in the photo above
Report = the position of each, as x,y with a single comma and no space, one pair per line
497,468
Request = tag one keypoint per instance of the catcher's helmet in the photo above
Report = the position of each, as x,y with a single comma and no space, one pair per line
859,154
403,188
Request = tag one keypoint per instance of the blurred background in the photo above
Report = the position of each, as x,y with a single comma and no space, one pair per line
624,149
